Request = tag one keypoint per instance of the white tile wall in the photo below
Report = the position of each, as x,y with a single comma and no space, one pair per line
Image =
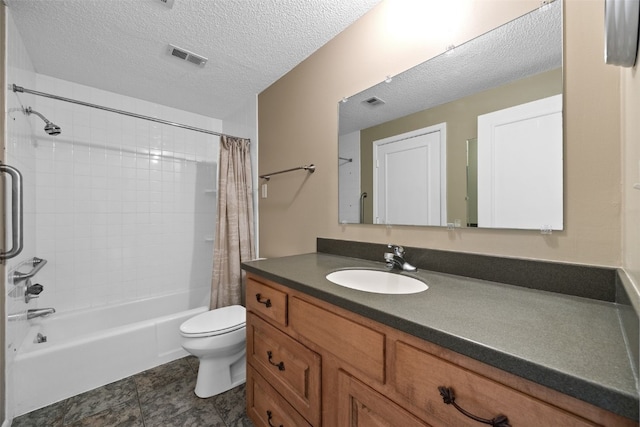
20,153
122,207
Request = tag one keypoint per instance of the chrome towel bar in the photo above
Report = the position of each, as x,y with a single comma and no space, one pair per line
310,169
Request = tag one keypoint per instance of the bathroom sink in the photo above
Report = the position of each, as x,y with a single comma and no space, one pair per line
377,281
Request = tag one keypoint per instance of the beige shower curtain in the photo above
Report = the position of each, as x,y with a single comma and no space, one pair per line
234,231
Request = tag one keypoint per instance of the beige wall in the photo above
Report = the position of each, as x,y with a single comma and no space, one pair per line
298,125
631,157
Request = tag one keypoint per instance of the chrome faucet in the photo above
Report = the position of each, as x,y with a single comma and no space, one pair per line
39,312
396,259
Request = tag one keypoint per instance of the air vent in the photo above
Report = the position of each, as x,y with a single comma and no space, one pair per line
185,55
168,3
374,101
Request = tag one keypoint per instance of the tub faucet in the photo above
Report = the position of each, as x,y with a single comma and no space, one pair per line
39,312
396,259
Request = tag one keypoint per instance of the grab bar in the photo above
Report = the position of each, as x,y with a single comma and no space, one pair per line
37,264
310,169
16,212
362,196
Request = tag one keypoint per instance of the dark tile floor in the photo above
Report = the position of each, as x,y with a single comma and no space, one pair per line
160,397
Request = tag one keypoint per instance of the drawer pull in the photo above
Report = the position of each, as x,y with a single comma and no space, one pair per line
449,398
279,365
269,416
266,302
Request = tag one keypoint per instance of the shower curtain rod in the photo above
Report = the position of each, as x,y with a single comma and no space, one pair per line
21,89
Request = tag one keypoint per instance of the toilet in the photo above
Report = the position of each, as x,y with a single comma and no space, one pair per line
218,339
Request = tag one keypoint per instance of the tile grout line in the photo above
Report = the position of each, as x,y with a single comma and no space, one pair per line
65,410
135,383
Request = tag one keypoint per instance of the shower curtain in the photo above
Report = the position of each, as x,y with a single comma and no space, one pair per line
234,231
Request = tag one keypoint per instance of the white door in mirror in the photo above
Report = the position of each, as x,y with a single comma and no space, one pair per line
520,163
376,281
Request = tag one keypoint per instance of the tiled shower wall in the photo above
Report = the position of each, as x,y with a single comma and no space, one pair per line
20,153
125,208
120,208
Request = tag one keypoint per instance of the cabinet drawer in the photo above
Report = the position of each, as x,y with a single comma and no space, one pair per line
361,406
418,374
352,342
266,407
291,368
269,302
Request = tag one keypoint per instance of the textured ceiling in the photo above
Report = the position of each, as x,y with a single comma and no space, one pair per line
121,45
524,47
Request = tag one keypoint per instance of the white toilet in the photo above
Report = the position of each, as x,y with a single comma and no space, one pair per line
218,339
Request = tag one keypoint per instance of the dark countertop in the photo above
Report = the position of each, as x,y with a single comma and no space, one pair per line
571,344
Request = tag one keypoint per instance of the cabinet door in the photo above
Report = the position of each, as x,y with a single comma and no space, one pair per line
290,367
266,407
360,406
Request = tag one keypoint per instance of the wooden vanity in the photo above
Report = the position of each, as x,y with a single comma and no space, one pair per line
312,363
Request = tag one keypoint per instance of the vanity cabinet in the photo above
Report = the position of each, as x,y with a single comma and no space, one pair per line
313,363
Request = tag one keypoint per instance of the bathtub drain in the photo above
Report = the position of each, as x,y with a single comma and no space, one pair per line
41,338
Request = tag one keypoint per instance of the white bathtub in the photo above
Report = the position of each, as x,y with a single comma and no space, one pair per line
90,348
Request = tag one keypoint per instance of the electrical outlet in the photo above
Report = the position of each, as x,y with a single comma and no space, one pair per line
264,191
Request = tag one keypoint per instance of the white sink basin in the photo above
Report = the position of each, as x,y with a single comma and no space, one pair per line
379,282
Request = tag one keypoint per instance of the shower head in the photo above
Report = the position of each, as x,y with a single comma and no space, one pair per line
50,128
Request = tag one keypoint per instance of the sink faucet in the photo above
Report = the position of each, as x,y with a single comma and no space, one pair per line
396,259
39,312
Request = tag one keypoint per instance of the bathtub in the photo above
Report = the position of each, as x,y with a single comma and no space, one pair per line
94,347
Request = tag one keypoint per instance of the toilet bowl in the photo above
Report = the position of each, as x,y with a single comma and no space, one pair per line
218,339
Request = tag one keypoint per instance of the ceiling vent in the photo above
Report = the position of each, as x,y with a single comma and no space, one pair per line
168,3
374,101
185,55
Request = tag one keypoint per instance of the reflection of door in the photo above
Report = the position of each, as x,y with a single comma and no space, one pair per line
520,166
409,185
472,182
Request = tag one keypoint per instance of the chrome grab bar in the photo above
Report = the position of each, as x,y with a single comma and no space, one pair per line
16,212
362,196
37,264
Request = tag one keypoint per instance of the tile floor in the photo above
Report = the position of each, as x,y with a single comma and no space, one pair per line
160,397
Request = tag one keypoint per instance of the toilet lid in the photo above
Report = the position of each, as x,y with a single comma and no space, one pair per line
215,322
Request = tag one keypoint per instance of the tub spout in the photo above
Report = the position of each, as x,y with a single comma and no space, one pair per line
39,312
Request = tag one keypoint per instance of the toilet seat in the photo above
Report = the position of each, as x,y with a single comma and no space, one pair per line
215,322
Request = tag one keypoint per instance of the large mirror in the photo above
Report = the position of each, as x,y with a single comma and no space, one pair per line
470,138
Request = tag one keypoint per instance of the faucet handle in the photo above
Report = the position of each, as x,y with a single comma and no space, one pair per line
398,250
35,289
32,291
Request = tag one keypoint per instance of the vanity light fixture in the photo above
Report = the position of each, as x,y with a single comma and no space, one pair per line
621,32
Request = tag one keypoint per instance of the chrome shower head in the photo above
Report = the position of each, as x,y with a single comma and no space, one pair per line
50,128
